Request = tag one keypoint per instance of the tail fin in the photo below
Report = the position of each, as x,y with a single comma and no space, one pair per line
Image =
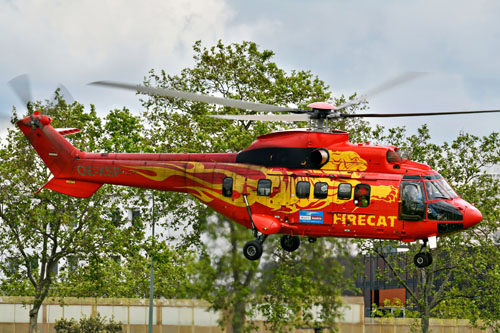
56,152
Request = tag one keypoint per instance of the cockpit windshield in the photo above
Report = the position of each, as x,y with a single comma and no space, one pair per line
413,205
437,188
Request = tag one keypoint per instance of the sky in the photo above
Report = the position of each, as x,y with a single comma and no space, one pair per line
351,45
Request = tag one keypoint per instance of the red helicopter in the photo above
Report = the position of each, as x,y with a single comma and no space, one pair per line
299,183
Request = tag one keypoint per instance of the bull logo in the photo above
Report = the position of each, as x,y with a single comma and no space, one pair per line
345,161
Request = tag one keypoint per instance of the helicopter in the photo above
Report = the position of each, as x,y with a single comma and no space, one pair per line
301,183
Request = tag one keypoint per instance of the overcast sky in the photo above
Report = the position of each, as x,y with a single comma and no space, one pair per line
351,45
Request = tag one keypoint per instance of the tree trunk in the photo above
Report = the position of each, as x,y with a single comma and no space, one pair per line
238,318
424,323
37,303
41,291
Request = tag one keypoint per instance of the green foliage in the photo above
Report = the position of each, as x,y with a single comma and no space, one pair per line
463,280
95,324
122,132
392,309
303,288
81,237
67,326
226,278
128,275
236,71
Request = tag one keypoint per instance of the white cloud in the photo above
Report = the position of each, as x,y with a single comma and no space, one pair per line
87,38
352,45
355,45
76,42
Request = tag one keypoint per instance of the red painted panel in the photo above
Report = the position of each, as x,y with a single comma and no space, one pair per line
392,294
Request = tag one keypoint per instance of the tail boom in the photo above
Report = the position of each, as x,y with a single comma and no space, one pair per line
81,174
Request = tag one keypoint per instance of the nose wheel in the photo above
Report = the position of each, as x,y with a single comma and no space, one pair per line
423,259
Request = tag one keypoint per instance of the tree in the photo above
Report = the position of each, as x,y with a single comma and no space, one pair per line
303,288
40,231
241,71
462,267
128,275
474,293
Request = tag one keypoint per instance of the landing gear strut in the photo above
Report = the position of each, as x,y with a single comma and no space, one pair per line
253,249
423,259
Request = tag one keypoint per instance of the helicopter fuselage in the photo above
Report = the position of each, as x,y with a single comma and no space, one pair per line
296,183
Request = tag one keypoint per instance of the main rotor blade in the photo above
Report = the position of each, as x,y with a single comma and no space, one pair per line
21,86
234,103
265,117
397,81
417,114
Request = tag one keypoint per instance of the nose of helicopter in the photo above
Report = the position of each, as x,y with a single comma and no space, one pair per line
472,216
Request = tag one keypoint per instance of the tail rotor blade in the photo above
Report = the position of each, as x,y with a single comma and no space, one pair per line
22,88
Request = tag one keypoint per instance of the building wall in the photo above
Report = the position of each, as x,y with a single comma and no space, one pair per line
172,316
187,316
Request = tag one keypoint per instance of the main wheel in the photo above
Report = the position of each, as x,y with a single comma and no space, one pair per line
252,250
422,259
429,258
290,243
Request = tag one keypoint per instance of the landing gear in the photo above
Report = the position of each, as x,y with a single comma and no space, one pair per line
423,259
290,243
252,250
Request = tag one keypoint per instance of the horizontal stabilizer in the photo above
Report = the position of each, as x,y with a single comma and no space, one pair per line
67,131
75,188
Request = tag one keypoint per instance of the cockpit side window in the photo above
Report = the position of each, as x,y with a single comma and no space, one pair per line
412,207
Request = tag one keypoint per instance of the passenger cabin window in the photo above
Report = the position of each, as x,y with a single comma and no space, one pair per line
227,187
412,201
344,191
303,189
321,190
264,187
362,195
